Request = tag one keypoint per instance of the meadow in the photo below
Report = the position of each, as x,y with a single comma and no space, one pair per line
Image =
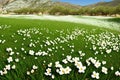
33,49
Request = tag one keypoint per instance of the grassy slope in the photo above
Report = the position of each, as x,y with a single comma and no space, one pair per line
24,65
117,20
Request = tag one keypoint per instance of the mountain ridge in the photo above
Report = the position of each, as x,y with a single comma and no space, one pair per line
13,5
111,3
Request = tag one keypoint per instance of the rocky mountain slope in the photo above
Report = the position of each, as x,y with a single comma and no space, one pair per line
18,4
11,5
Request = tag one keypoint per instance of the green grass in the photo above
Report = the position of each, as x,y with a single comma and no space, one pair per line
117,20
80,42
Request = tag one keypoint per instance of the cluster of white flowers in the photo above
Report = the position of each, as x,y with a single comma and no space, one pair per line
49,71
62,39
31,52
28,32
34,67
81,68
6,69
66,70
81,53
105,41
2,41
9,49
63,71
117,73
95,62
32,45
39,53
74,34
10,62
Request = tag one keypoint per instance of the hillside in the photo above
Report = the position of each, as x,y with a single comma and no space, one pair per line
5,2
19,4
111,3
59,8
32,4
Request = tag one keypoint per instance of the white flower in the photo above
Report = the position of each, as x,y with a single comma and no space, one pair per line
112,68
49,49
17,60
32,71
38,53
97,64
82,69
76,59
31,45
64,61
36,58
80,52
92,60
0,41
47,42
7,67
57,70
68,58
9,59
78,64
94,47
28,73
62,71
53,76
117,73
109,51
22,49
95,75
44,53
1,72
103,62
67,70
35,67
50,65
48,72
13,67
11,53
9,49
17,53
104,70
5,72
58,65
31,52
88,62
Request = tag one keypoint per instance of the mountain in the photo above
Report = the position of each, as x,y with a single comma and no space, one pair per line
67,5
19,4
111,3
4,2
24,5
12,5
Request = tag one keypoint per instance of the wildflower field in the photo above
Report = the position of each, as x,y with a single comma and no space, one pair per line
32,49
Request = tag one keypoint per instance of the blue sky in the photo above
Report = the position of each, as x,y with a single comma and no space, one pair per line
83,2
